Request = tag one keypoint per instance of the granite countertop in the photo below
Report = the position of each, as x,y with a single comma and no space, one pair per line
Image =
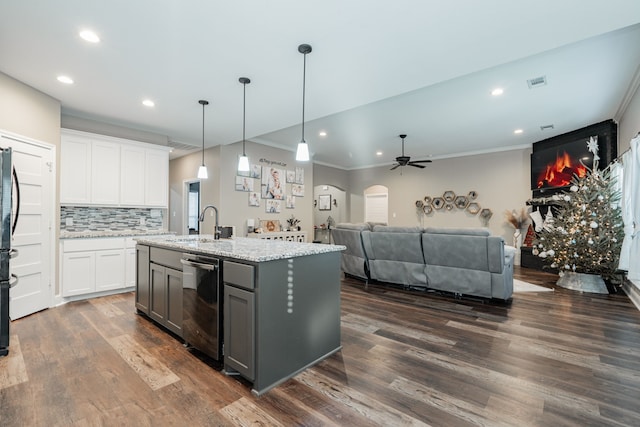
244,248
86,234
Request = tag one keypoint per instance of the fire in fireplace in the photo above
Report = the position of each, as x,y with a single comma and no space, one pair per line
555,167
560,172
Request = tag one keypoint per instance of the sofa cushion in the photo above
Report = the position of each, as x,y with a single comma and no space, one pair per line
353,259
456,251
395,254
395,229
350,226
459,231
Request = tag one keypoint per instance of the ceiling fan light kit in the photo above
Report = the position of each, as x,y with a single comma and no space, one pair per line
406,160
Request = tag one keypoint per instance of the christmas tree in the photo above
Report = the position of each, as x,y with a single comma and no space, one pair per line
587,231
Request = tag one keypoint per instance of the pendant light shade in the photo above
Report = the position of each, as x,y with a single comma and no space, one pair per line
302,154
202,170
243,161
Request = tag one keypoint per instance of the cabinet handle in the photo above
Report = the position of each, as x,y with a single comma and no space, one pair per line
210,267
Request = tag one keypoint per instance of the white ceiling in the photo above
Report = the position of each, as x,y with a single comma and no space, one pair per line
378,69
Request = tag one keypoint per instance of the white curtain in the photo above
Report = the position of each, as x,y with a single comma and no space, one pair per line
630,253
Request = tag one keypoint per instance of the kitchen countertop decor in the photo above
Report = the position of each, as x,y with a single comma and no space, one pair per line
255,250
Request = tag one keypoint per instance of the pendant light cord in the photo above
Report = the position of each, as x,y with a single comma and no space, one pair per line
304,85
244,110
203,104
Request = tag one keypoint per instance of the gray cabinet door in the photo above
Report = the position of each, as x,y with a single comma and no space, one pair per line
143,293
174,300
158,293
239,331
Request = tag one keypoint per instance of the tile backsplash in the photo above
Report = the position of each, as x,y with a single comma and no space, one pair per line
82,218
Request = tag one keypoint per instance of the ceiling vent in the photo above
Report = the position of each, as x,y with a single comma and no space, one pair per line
181,146
546,127
537,82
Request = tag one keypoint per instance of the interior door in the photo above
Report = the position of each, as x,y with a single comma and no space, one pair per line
32,238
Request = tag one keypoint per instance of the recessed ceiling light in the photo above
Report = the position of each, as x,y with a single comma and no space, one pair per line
89,36
322,133
497,91
148,103
518,131
65,79
378,153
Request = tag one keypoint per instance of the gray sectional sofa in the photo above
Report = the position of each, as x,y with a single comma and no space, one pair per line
464,261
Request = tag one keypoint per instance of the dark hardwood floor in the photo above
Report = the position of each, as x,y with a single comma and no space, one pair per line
556,358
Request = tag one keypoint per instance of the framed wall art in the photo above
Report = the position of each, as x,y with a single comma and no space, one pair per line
324,202
273,206
272,183
244,183
254,199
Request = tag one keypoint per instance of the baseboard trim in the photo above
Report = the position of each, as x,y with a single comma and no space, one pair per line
633,292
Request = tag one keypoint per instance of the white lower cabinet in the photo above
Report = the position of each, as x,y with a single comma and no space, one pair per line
130,262
78,273
109,270
97,265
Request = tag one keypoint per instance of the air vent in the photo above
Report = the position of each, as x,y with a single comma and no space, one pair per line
181,146
546,127
537,82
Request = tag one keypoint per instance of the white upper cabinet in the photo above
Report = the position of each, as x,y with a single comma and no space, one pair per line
156,178
75,166
132,175
105,173
100,170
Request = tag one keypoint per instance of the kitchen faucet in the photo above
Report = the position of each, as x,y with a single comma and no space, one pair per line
216,233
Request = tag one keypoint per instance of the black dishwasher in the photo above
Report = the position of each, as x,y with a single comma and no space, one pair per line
202,304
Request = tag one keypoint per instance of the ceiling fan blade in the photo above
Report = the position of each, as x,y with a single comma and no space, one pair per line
421,161
395,167
416,166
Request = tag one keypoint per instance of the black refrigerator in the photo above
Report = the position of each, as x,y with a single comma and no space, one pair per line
8,222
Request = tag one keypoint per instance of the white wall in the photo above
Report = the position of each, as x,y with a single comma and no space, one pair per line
502,181
219,188
28,112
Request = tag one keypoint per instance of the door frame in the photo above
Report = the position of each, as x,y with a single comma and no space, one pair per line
184,227
54,229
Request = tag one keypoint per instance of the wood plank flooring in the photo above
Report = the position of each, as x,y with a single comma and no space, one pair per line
409,358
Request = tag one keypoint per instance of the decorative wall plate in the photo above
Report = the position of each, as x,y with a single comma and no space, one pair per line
449,206
473,208
449,196
472,195
486,214
419,204
461,202
427,209
437,203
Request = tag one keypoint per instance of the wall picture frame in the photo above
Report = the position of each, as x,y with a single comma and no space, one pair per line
324,202
254,198
244,183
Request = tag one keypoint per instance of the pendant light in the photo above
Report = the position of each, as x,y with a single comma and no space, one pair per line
202,171
302,154
243,161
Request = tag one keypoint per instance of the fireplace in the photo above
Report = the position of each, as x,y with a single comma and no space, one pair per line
556,160
554,168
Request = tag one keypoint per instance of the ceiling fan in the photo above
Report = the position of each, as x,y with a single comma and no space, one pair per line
406,160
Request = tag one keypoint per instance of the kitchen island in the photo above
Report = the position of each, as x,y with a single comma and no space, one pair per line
280,306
